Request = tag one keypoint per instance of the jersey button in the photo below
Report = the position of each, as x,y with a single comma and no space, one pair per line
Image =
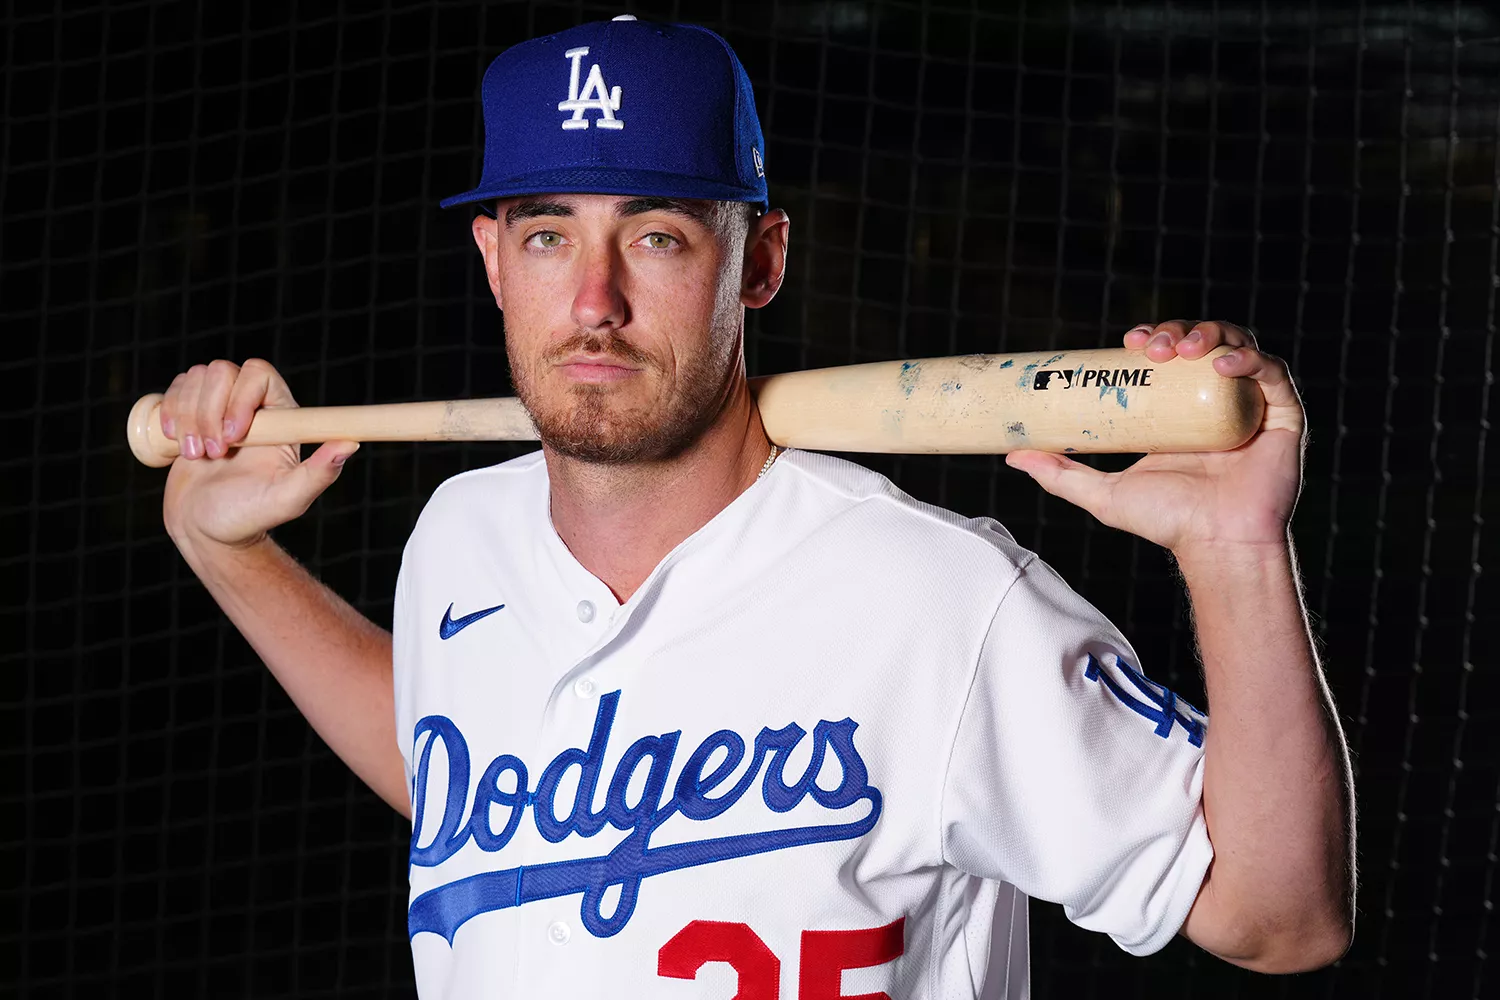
585,611
583,687
559,933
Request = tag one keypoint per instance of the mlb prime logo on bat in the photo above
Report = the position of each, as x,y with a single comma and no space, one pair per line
1103,378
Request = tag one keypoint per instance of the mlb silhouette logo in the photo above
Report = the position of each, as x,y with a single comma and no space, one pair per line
1048,379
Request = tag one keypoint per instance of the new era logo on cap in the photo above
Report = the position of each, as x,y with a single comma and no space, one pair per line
621,107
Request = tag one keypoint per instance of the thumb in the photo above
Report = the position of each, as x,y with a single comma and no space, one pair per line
1062,477
302,485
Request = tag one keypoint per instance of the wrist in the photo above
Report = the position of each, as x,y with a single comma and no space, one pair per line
1236,557
203,553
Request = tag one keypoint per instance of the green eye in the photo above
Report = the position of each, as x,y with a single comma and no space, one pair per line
659,241
548,240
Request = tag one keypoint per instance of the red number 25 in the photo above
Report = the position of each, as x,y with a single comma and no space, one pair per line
825,955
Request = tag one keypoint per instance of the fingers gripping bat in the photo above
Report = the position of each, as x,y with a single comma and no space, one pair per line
1089,401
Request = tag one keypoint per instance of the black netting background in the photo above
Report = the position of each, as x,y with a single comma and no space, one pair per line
184,181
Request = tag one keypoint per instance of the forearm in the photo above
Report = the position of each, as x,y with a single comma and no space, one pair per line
1277,791
333,662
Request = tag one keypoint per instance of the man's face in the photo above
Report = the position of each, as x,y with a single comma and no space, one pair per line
623,318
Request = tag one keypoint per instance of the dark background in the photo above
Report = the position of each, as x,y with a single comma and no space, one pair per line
184,181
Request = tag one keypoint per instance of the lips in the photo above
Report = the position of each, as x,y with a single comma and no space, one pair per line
595,368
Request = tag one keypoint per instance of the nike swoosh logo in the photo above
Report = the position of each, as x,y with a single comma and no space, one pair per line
451,626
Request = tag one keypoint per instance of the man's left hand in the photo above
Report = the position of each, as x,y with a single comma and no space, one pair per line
1200,500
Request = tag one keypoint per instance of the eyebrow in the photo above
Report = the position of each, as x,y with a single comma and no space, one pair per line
677,206
534,208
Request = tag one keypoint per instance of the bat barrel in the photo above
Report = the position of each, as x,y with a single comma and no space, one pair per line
1092,401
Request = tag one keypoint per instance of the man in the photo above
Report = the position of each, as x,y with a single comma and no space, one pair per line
676,714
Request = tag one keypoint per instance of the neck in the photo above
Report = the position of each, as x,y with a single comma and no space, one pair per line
620,521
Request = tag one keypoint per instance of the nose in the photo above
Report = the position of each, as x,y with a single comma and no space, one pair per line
599,300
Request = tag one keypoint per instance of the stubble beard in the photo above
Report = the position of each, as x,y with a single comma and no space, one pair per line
588,423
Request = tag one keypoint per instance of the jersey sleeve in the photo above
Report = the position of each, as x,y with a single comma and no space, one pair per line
401,657
1073,776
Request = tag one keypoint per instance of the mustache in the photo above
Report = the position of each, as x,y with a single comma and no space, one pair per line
608,343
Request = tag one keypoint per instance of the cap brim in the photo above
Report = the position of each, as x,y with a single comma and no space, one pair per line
608,180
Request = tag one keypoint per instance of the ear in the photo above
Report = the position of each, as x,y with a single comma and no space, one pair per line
487,239
765,258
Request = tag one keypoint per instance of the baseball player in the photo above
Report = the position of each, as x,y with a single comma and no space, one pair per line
677,714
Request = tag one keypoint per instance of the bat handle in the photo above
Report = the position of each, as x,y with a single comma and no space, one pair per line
143,431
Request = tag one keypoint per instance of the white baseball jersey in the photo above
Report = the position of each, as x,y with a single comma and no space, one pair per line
828,748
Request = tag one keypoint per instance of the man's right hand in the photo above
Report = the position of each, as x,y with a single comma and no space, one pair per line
221,495
221,500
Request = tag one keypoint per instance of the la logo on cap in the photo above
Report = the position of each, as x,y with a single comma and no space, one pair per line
706,146
596,96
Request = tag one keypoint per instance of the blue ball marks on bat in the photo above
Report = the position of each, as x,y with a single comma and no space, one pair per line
1026,380
1122,397
910,375
1008,362
952,385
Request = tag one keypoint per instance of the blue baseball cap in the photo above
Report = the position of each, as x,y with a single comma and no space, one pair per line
621,107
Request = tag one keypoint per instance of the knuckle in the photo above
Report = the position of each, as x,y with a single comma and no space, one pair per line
197,371
223,367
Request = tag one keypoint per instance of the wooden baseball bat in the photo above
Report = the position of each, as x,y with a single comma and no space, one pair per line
1088,401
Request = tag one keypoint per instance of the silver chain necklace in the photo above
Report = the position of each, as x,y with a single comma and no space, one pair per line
769,459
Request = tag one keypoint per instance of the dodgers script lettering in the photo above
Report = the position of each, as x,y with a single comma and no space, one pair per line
505,783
